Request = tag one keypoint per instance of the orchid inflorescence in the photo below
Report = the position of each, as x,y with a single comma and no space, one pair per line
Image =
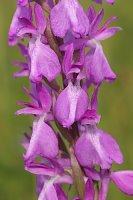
64,41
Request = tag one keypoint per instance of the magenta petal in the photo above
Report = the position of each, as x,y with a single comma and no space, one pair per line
44,61
48,191
32,96
77,43
90,117
60,193
105,25
64,162
107,33
58,24
96,22
44,97
93,174
82,104
67,61
21,73
97,67
75,70
27,27
29,111
24,69
25,103
39,183
94,99
21,64
24,50
91,153
40,169
71,104
16,25
124,181
89,190
69,15
39,144
26,141
40,18
64,179
91,13
23,2
111,147
99,149
105,182
41,101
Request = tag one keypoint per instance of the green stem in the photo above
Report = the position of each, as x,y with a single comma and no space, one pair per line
77,175
96,190
53,84
44,5
52,41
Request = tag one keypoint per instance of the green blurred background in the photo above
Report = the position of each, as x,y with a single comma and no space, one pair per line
116,103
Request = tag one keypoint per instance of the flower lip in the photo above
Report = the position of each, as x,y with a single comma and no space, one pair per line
99,148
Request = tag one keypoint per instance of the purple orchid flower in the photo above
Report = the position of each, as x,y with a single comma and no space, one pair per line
44,61
95,33
68,15
41,101
102,33
96,65
50,177
51,189
99,147
74,100
17,25
42,133
39,144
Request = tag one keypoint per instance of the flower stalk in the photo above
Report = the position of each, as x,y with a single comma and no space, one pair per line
77,175
96,186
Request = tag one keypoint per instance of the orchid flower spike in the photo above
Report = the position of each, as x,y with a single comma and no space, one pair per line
66,66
